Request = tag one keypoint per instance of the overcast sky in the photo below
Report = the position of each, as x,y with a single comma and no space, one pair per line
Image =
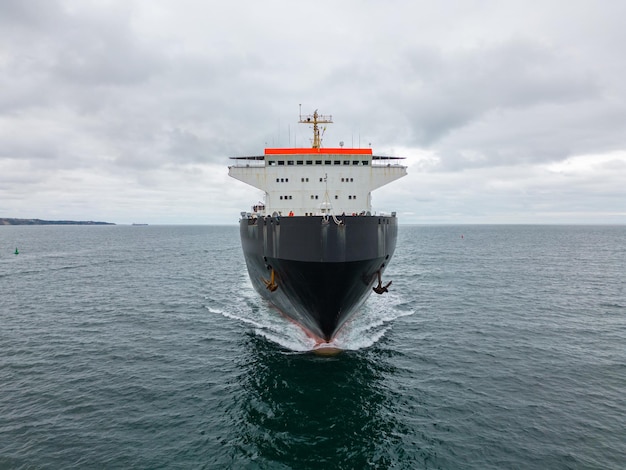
127,111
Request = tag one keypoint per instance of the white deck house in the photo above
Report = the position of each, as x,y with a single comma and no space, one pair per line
316,181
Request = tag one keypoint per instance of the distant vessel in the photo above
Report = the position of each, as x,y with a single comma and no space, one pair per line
313,248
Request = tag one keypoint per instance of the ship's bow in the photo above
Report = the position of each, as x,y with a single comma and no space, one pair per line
318,270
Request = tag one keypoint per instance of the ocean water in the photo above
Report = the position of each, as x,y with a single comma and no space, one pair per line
498,347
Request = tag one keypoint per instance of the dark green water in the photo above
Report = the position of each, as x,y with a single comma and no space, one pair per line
146,347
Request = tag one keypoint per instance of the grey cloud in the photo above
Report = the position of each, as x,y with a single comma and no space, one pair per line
453,90
30,15
542,133
69,61
130,90
97,57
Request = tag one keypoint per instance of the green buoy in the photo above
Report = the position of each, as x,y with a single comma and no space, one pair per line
17,252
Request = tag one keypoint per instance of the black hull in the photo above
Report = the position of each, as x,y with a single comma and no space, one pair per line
317,272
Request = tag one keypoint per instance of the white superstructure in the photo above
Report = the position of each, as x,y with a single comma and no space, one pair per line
316,181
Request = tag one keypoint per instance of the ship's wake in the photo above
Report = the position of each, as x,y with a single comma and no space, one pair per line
374,320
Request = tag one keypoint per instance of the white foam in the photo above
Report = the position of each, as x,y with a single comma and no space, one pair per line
366,328
297,342
238,318
369,326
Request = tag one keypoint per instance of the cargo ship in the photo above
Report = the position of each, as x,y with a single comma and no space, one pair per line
314,248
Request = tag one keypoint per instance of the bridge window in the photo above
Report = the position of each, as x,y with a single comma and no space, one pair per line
299,162
309,162
336,162
365,162
355,162
346,162
318,162
281,162
327,162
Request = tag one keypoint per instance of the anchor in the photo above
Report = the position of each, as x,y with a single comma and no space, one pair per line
380,289
270,285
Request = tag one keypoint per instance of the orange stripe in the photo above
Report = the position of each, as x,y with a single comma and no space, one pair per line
312,151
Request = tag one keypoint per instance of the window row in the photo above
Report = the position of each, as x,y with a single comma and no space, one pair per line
316,196
318,162
306,180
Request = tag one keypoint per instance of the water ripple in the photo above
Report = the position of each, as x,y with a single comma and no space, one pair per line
146,347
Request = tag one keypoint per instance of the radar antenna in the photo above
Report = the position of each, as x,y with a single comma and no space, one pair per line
316,119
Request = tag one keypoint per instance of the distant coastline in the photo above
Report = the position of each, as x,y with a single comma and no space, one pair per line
9,221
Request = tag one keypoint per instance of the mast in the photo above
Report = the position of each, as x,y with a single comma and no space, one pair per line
316,119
